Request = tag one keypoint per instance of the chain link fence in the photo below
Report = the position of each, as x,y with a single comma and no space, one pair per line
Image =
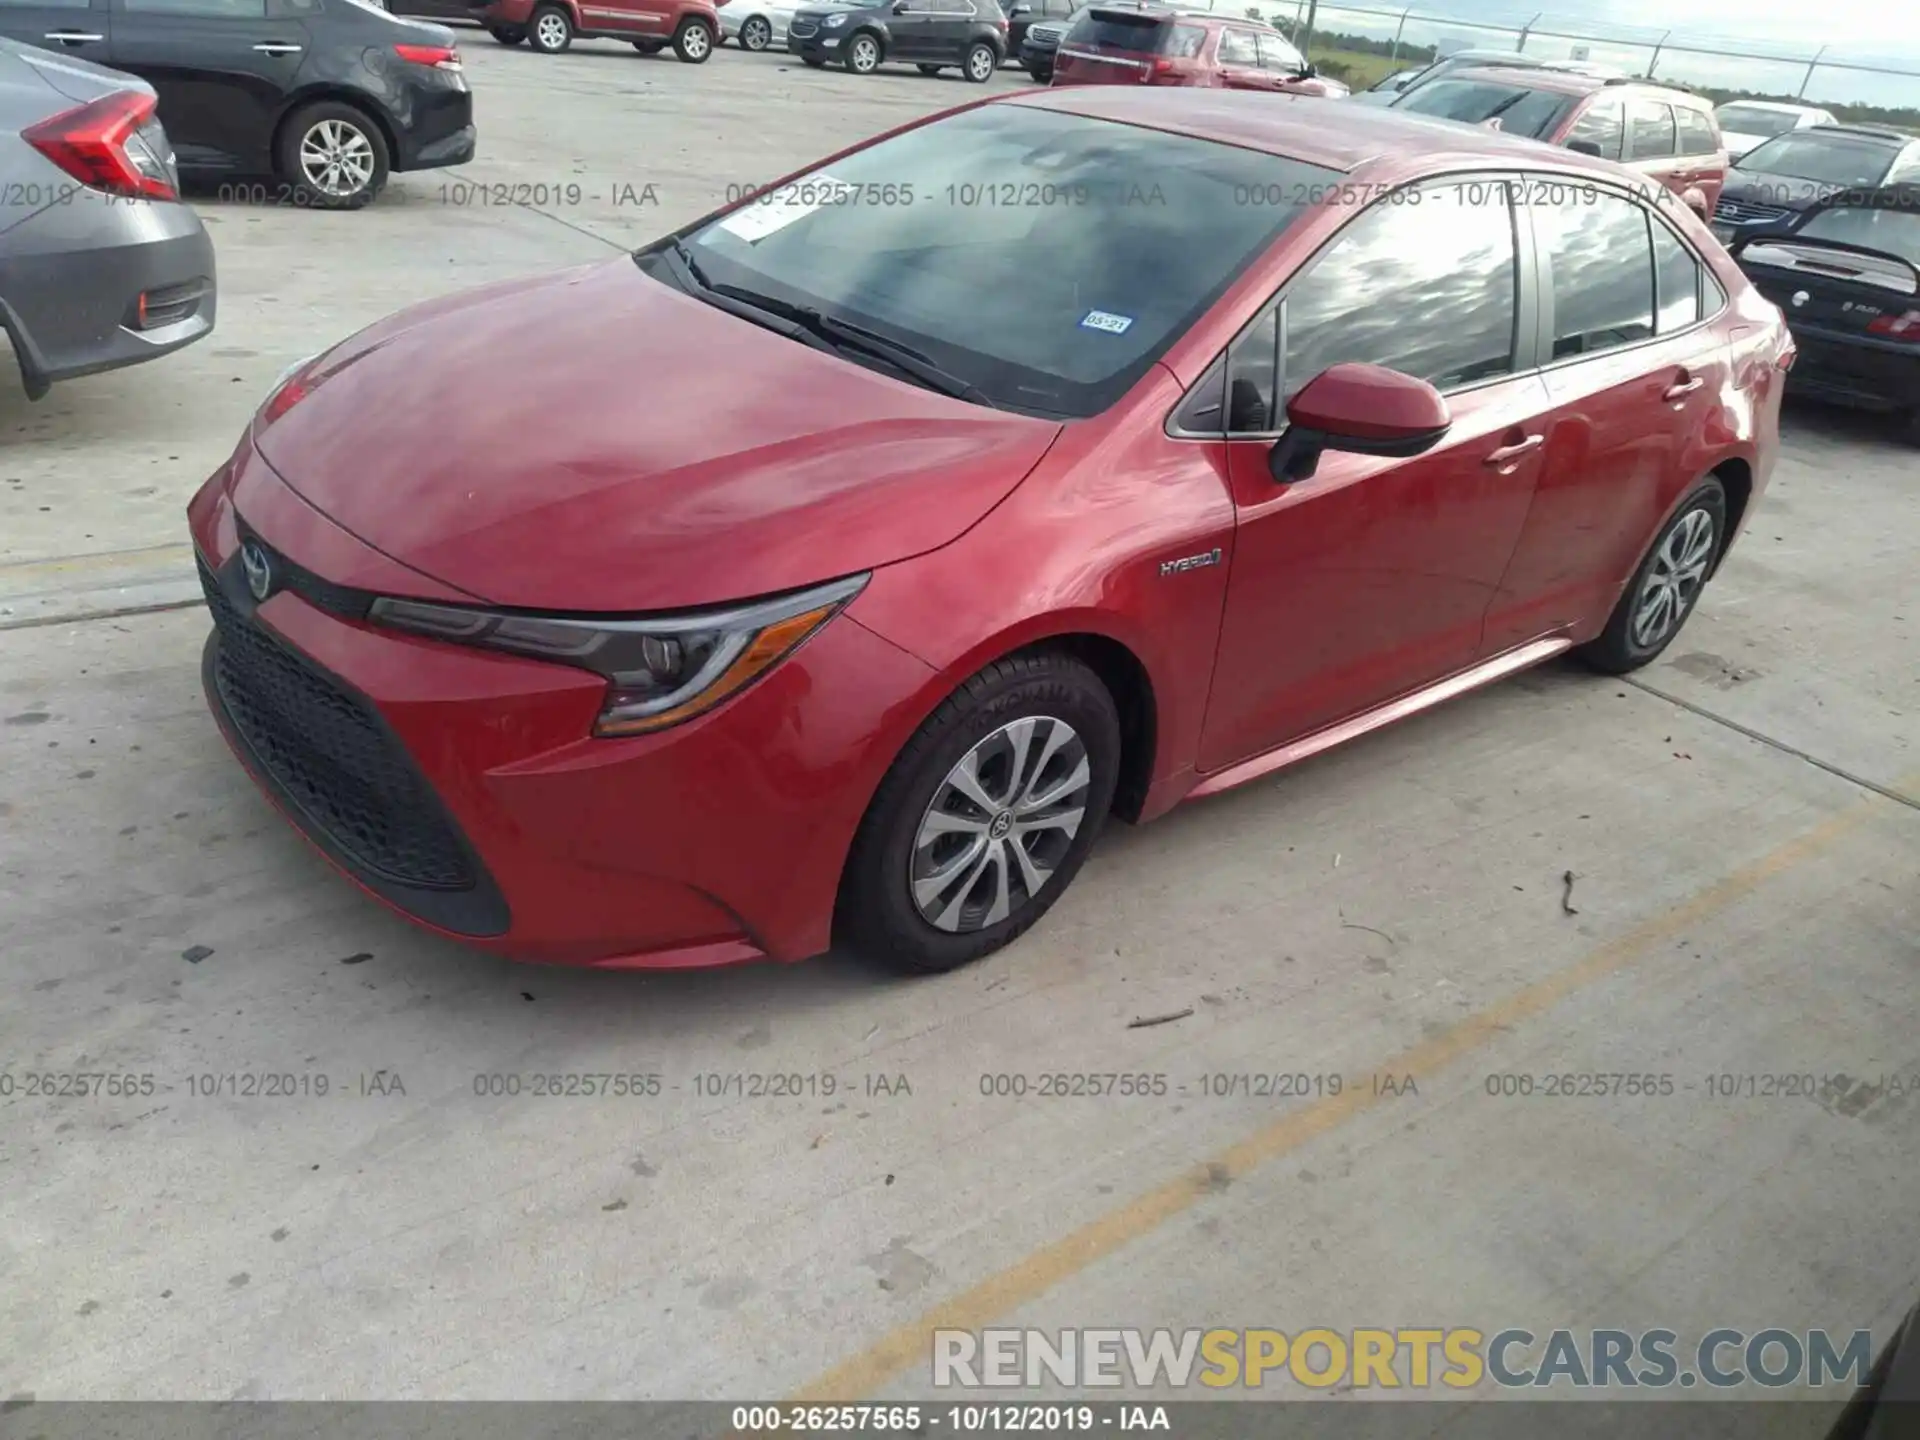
1362,45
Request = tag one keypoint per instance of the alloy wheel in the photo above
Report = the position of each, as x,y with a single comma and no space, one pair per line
999,824
1674,579
551,30
865,54
980,64
694,43
336,158
756,34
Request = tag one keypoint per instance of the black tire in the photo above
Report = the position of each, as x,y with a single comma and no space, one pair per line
1627,644
507,34
693,42
813,62
649,47
877,915
980,63
863,53
337,128
1912,430
550,31
1038,75
930,69
756,34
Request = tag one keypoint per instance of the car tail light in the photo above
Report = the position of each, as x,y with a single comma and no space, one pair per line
112,144
1162,66
1897,327
440,57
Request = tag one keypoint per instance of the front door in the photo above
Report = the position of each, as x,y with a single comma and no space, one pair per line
222,69
66,27
1372,579
1238,58
911,30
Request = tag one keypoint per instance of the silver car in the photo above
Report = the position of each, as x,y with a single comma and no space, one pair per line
757,24
101,264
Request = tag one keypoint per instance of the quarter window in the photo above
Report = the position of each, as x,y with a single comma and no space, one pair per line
1603,293
1696,132
1677,274
1605,124
1651,126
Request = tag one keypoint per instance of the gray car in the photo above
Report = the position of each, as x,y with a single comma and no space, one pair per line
101,264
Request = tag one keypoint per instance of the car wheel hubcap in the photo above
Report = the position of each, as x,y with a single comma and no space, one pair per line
696,41
1000,824
755,35
1674,579
865,56
553,30
982,64
336,158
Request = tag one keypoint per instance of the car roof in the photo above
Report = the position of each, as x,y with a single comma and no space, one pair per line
1333,134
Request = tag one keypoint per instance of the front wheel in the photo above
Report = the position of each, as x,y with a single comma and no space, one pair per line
982,60
693,42
813,62
508,34
1666,587
552,30
649,47
985,816
1039,76
863,55
333,156
930,69
756,34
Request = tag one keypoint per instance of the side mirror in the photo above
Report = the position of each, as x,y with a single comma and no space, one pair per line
1309,70
1363,409
1585,147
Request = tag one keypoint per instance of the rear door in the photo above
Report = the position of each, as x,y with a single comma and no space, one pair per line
1702,162
221,69
1652,141
1636,375
66,27
911,29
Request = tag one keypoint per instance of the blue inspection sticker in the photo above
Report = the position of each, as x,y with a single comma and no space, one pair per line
1104,320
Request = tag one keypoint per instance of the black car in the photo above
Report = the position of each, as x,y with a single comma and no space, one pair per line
932,34
1774,184
1848,278
325,96
1042,37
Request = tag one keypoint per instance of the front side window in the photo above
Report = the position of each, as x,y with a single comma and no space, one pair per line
1423,283
1650,130
1237,47
1277,54
914,237
1597,244
1603,125
1696,132
1677,273
1516,109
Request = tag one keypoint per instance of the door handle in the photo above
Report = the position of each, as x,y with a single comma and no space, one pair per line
1507,454
72,37
1683,389
278,47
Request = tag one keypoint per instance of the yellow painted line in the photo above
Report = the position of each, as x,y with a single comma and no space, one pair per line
101,560
1028,1279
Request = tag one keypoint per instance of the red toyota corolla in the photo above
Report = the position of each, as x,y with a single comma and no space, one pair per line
798,579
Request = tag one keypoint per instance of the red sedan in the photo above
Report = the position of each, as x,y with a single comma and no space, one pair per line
797,580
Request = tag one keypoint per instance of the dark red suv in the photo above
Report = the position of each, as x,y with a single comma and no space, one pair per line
692,27
1358,412
1172,47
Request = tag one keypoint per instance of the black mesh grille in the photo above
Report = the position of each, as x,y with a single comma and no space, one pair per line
332,756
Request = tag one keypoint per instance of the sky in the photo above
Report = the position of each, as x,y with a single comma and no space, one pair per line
1876,32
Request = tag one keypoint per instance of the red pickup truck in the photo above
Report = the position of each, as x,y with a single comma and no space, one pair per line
692,27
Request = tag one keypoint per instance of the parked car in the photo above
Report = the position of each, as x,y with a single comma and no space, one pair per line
692,27
1848,277
327,96
101,265
1023,14
756,24
1668,135
1776,183
1115,45
932,34
1386,91
868,643
1043,38
1746,124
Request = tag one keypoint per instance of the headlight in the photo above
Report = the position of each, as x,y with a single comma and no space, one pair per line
833,22
659,671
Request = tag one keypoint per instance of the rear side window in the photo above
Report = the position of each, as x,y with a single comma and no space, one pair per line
1604,124
1238,47
1677,274
1602,260
1696,132
1650,130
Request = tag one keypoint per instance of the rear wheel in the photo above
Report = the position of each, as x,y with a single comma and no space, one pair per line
1666,587
1913,427
930,69
551,30
693,41
813,62
985,817
649,47
332,155
756,34
508,34
863,55
982,60
1040,77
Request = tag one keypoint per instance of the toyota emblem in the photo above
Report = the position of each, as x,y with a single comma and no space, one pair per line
253,560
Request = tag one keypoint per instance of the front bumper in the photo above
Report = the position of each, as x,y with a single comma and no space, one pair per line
821,45
718,841
72,274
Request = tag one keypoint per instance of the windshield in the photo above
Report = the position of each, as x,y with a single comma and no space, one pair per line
1520,111
1745,120
1829,159
1045,259
1894,232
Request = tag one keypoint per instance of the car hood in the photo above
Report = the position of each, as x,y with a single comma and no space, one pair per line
595,440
